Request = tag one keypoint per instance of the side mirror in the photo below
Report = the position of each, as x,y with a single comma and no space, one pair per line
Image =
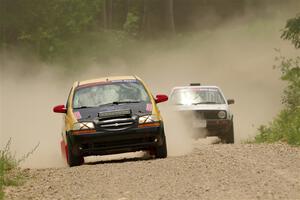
161,98
230,101
60,109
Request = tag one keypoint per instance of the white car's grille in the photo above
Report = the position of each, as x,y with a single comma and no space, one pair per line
208,114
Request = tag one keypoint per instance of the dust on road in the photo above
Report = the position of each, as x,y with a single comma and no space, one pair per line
219,171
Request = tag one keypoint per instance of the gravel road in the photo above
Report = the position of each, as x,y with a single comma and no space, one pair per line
219,171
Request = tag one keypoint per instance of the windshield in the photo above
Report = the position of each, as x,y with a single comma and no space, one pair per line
195,96
113,92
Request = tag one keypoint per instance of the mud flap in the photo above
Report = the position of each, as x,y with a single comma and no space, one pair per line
64,150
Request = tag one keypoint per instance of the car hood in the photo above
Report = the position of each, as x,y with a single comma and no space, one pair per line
140,109
202,107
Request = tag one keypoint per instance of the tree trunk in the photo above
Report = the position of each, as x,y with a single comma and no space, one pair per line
158,18
107,14
121,7
104,14
126,7
169,16
145,24
3,10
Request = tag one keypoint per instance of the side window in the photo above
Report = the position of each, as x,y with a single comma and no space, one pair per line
67,104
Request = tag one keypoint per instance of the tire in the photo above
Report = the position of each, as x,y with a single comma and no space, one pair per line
73,160
229,135
161,150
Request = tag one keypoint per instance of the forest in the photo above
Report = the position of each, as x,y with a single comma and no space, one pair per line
61,31
50,28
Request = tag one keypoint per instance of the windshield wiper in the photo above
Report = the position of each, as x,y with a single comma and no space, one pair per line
120,102
205,102
81,107
117,103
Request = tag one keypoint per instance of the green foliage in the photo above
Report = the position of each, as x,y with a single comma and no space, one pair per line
44,25
132,23
290,69
285,127
292,31
7,163
92,47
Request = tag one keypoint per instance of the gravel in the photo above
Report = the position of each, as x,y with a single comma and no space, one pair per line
211,171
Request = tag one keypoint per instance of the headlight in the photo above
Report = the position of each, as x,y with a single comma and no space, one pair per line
148,119
222,114
80,128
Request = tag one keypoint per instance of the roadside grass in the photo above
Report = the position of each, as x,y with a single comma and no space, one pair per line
284,128
10,173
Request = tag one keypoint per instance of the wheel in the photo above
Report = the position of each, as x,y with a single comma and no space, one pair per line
229,135
161,150
72,159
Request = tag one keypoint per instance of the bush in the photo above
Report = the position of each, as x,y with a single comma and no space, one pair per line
285,127
7,163
290,70
292,31
10,174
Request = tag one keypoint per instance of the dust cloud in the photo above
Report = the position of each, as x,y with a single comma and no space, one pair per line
238,57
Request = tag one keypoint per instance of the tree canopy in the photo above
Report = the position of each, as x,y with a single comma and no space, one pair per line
292,31
48,27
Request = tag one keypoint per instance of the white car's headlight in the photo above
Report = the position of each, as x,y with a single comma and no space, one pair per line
221,114
83,126
148,119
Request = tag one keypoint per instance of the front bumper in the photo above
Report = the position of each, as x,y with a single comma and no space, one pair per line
218,124
112,142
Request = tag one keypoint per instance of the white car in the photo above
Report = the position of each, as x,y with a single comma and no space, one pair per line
209,107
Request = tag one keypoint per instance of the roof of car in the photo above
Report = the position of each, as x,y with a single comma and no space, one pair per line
106,79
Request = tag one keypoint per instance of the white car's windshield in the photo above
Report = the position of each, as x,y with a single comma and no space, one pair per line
116,92
195,96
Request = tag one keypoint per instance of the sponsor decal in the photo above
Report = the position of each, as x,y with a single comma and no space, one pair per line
92,84
77,115
204,89
209,89
149,107
106,82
